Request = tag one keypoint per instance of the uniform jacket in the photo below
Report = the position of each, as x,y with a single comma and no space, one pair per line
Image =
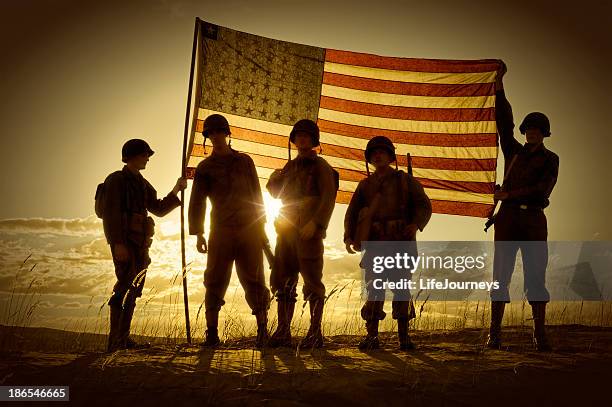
307,188
126,193
232,185
403,197
534,174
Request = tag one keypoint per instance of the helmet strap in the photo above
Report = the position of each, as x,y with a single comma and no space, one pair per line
367,168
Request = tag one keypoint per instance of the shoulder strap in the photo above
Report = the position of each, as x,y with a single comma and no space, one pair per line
403,192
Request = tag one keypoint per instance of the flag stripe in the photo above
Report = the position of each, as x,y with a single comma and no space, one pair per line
437,194
410,64
406,113
420,126
357,154
266,162
251,147
408,88
358,136
401,149
461,208
425,102
409,76
408,137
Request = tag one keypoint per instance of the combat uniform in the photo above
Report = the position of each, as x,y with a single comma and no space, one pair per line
405,202
128,197
307,187
236,230
521,216
521,222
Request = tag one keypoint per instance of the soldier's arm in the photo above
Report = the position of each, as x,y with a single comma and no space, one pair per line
114,227
197,203
257,195
421,203
505,125
352,213
161,207
327,200
275,182
543,188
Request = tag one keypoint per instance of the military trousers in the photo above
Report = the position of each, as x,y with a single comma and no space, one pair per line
523,229
294,257
402,306
242,246
130,274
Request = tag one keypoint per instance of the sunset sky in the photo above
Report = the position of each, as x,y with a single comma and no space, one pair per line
78,81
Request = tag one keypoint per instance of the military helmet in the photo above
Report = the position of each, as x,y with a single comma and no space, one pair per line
135,147
215,122
307,126
380,142
537,120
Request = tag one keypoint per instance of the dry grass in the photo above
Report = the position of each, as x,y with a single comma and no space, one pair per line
163,318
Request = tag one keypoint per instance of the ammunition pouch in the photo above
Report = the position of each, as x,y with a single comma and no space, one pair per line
141,229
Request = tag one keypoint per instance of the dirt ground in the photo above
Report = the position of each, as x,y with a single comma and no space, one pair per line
448,368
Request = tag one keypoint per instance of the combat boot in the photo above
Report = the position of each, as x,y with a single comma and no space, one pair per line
113,335
497,314
314,336
212,333
370,341
125,323
540,341
125,341
404,338
282,334
262,329
132,344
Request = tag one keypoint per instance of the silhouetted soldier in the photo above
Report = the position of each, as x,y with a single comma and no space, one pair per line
530,175
397,206
237,223
125,198
307,188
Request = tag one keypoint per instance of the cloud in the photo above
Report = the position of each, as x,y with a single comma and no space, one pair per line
71,305
72,227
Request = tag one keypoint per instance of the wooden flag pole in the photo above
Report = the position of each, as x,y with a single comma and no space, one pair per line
196,32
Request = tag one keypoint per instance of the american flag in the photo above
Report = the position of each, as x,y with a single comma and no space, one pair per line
442,112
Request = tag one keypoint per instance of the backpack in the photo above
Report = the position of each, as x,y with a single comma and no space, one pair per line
100,198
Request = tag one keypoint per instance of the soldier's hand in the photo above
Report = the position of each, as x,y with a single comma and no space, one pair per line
350,246
501,195
308,230
181,184
410,230
201,245
121,252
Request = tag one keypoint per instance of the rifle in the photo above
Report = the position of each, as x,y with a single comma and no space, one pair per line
492,214
409,163
491,217
267,250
